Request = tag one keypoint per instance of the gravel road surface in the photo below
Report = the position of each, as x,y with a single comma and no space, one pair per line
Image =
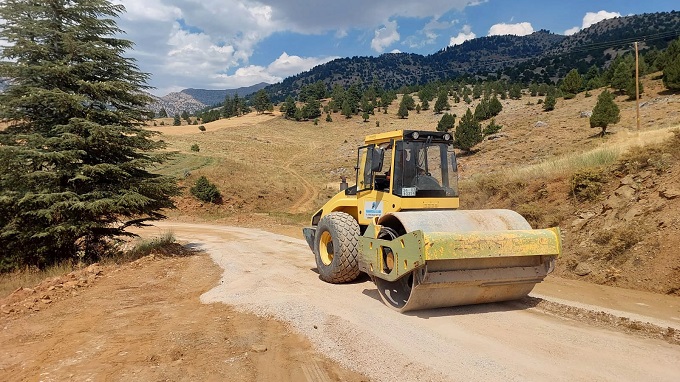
274,275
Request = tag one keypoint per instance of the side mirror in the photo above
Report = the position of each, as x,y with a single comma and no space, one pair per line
377,155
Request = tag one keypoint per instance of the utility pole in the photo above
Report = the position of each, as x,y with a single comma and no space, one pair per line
637,87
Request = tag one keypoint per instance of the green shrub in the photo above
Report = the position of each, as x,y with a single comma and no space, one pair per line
586,184
492,128
205,191
202,128
195,147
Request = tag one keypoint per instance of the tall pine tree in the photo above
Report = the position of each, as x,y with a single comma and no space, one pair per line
605,112
74,159
468,133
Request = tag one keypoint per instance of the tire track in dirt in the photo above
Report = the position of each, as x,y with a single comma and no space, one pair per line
309,192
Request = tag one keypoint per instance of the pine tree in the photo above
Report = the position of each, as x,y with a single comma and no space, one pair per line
605,112
622,76
495,106
176,121
74,158
425,105
162,113
442,103
403,109
482,110
446,123
346,109
262,102
592,78
312,109
671,70
515,91
550,102
572,84
409,102
289,108
468,133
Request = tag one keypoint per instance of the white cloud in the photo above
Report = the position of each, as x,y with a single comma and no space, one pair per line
149,10
287,65
572,31
194,43
465,34
595,17
395,51
385,36
518,29
591,18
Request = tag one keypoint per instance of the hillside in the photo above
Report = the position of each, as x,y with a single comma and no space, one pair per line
215,97
191,100
273,173
541,56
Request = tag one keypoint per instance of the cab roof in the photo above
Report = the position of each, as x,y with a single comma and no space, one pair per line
398,135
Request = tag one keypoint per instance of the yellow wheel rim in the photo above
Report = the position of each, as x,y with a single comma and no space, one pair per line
326,248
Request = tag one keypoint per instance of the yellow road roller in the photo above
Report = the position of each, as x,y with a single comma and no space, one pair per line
400,224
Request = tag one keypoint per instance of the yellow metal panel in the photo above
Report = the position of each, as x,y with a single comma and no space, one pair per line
480,244
384,137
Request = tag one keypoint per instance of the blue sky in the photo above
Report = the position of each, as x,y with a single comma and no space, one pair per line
220,44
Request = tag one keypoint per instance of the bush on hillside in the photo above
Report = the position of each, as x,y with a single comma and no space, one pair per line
205,191
586,184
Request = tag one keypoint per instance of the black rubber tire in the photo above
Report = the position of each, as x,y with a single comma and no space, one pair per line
344,232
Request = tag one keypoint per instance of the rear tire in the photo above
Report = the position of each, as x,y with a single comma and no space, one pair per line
336,248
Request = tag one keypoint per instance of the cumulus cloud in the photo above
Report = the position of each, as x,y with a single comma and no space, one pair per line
518,29
465,34
591,18
287,65
225,34
385,36
572,31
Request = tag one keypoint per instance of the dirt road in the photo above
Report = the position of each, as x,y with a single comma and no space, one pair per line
273,275
145,321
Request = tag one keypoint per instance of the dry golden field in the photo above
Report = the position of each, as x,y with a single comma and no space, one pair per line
274,173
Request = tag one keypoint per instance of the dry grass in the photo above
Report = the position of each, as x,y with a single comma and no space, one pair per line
267,166
27,278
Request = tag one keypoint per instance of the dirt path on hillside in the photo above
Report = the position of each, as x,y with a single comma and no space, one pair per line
145,322
302,202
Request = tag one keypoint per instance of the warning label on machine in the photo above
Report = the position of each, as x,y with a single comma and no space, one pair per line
373,209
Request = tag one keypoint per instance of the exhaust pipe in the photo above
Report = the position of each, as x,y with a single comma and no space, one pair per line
343,183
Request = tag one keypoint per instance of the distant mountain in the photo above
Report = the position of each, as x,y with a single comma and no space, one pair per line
214,97
175,103
600,43
191,100
541,56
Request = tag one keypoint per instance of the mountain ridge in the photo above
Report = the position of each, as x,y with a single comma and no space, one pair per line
547,56
192,100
